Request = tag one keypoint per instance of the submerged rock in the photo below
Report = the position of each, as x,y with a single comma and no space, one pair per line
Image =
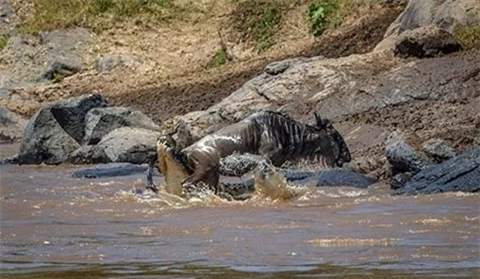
461,173
109,170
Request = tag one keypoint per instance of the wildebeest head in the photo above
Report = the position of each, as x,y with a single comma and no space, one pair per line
335,141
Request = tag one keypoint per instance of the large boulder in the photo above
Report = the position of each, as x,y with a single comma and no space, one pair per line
101,121
125,144
461,173
57,130
343,87
430,16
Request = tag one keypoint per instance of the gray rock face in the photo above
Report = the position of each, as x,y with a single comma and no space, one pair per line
461,173
403,157
101,121
442,13
11,126
439,14
438,150
57,130
109,62
426,42
125,144
61,52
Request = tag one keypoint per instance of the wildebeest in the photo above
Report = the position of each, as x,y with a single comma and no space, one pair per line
274,135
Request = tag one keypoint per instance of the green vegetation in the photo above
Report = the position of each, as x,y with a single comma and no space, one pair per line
257,20
323,15
220,58
468,37
96,14
3,42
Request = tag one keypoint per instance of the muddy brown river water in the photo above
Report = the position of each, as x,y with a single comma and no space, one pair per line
56,226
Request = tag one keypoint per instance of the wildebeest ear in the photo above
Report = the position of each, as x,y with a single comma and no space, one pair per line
321,123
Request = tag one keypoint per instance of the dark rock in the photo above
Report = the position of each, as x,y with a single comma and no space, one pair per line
398,181
125,144
109,62
109,170
59,69
438,150
276,68
337,177
426,42
12,126
101,121
461,173
403,157
57,130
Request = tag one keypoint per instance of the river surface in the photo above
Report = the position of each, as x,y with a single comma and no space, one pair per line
56,226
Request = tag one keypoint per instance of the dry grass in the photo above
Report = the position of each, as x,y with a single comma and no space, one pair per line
47,15
468,37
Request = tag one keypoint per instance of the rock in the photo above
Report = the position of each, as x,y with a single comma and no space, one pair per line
12,126
276,68
403,157
63,51
57,130
398,181
438,150
444,14
345,86
426,41
337,177
109,170
101,121
111,61
461,173
125,144
59,69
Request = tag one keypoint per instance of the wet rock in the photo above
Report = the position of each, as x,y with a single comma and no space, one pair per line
398,181
438,150
111,61
12,126
461,173
59,69
125,144
425,42
57,130
101,121
110,170
403,157
336,177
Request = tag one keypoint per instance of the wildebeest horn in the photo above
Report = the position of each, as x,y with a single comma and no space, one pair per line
321,123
